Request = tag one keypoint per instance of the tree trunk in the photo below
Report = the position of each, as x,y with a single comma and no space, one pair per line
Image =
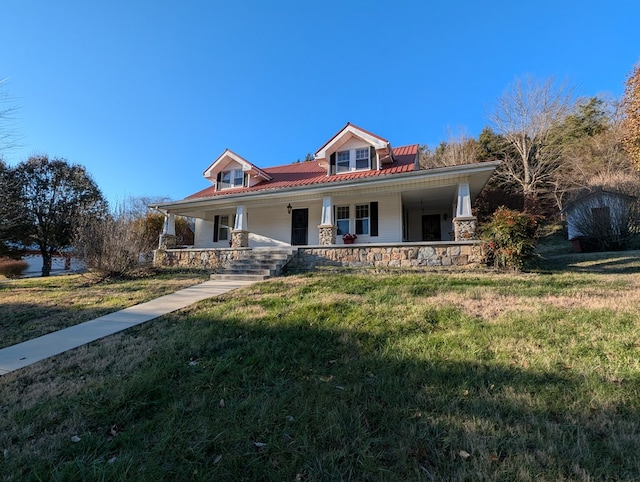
46,263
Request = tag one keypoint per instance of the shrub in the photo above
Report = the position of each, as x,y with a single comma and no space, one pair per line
509,237
113,246
12,268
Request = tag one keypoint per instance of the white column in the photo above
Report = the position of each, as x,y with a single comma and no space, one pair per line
327,212
241,219
169,224
463,207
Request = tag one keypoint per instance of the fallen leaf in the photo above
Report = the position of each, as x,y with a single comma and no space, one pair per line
326,379
217,459
259,444
464,454
75,438
221,404
112,460
289,418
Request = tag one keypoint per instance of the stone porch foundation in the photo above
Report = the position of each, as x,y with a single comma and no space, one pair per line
468,253
201,258
436,254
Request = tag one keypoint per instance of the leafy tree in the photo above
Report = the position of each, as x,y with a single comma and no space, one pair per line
56,197
589,142
13,228
525,116
631,121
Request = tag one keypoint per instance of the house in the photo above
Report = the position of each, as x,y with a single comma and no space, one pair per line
600,219
357,183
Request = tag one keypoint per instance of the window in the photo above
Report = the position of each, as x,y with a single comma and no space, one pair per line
362,219
223,228
342,219
342,164
353,160
362,158
233,178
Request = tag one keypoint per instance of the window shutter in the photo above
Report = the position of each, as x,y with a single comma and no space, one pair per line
218,179
216,226
246,180
373,158
332,163
373,214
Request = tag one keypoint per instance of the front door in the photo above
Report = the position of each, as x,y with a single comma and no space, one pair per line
431,227
299,226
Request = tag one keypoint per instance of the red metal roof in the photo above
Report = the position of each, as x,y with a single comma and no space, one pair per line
309,173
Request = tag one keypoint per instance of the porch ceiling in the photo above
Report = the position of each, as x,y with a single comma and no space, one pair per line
440,198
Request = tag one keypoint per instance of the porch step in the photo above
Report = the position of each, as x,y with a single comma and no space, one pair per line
256,265
239,277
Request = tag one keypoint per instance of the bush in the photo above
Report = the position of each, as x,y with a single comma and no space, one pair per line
12,268
509,238
113,246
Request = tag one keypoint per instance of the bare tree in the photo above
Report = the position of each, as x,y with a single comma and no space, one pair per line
457,150
631,121
525,116
8,137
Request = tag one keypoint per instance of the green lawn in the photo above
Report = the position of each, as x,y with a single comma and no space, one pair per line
351,376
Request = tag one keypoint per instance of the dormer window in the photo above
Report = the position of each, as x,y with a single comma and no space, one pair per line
231,179
353,160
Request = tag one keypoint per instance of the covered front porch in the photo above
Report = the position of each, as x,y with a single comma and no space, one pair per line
416,208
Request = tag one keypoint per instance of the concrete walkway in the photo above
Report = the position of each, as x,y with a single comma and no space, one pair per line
26,353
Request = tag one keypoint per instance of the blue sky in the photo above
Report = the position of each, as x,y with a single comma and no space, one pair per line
146,94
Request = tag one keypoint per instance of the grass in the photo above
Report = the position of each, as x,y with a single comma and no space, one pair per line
351,376
31,307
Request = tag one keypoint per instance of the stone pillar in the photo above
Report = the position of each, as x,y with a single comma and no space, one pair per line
240,232
239,238
167,241
168,235
464,224
327,234
464,228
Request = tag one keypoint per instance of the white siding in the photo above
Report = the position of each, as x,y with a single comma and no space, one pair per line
389,217
203,237
275,222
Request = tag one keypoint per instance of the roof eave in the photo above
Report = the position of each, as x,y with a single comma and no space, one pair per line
334,185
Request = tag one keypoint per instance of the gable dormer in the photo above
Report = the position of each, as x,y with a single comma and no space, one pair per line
354,149
231,171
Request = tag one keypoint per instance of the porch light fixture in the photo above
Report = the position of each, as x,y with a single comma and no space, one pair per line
289,208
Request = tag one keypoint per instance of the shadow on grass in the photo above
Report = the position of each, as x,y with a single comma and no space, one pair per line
618,262
23,321
228,399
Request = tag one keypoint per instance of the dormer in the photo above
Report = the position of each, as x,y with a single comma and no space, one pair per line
353,149
231,171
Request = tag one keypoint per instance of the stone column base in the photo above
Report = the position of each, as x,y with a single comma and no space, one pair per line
327,234
465,228
239,239
167,241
